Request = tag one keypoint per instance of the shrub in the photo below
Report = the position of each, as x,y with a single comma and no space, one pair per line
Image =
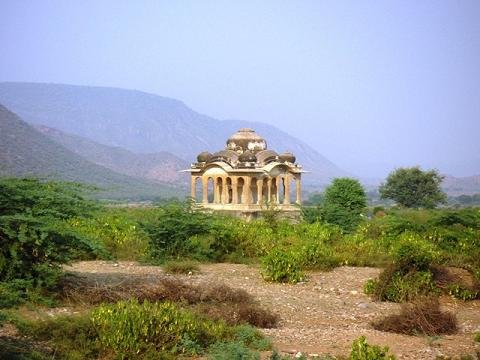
130,327
461,292
232,351
477,337
34,237
344,202
361,350
423,316
393,285
170,229
413,253
181,267
316,255
282,266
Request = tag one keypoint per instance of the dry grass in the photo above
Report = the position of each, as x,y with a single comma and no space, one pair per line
235,306
423,316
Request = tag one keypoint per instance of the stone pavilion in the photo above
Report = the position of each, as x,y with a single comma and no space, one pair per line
246,177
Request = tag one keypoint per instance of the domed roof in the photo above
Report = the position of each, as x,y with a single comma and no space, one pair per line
204,156
247,156
266,156
246,139
224,155
287,156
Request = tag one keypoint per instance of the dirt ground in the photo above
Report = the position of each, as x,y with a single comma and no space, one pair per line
320,316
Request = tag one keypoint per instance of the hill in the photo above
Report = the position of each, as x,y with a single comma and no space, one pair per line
455,186
146,123
26,152
161,166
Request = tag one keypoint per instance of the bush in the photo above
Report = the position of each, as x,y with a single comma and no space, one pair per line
477,337
361,350
316,255
423,316
282,266
344,202
35,239
130,328
232,351
171,227
396,286
181,267
413,253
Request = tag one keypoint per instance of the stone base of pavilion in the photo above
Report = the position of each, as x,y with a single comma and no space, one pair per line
253,211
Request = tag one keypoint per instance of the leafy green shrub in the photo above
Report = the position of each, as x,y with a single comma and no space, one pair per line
252,338
281,266
396,286
116,230
34,237
477,337
361,350
130,327
171,227
463,293
70,337
181,267
413,253
316,255
232,351
344,202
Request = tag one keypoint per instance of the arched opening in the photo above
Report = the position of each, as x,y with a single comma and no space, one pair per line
240,185
253,190
274,192
210,189
293,190
228,184
264,199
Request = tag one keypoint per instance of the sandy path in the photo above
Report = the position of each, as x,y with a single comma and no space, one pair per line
323,315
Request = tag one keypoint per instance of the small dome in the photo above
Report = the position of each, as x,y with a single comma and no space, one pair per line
287,156
266,156
204,156
224,155
246,139
247,156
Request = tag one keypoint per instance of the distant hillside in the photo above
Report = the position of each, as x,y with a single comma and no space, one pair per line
146,123
26,152
161,166
455,186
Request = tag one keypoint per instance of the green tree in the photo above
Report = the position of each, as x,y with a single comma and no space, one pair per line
414,188
344,202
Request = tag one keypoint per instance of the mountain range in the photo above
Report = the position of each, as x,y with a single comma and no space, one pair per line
24,151
130,143
146,123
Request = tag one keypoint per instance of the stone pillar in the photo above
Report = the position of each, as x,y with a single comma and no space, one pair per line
247,194
204,190
234,190
216,192
278,181
286,199
259,191
299,189
269,191
224,191
193,189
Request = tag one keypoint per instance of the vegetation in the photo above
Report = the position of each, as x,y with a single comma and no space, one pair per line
361,350
44,225
414,188
344,202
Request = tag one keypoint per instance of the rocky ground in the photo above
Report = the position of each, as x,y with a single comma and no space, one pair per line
323,315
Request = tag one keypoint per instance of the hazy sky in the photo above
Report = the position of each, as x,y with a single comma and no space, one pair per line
370,84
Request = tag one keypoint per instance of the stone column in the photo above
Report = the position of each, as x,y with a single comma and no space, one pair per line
216,192
247,194
224,190
204,190
193,189
234,190
278,181
286,199
299,189
269,191
259,191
